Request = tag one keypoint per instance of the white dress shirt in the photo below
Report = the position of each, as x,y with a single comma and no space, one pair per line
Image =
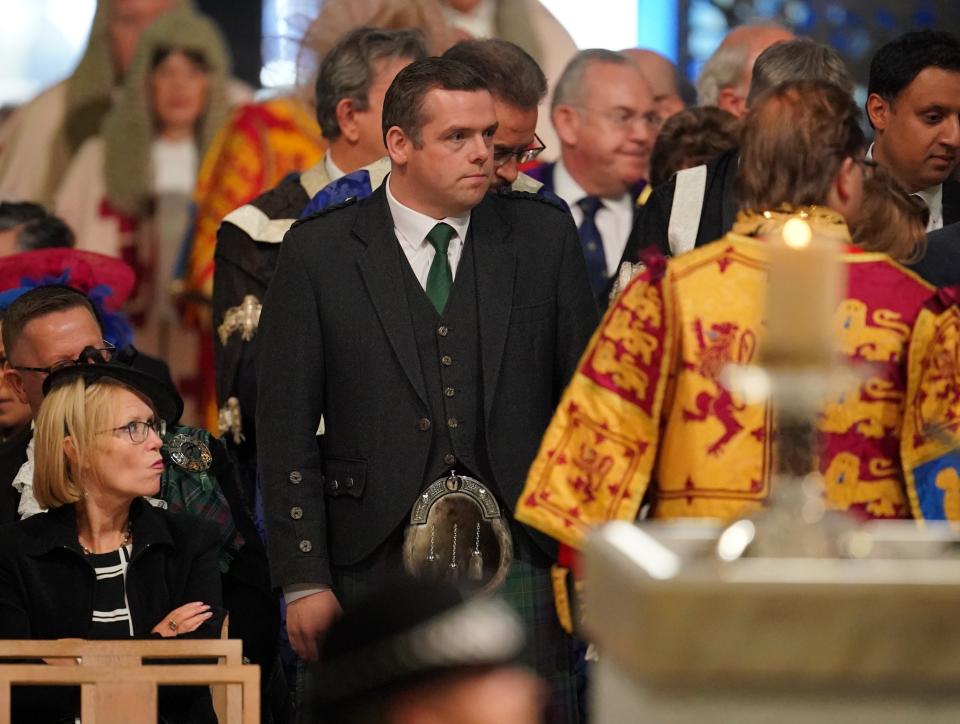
614,218
412,227
932,197
333,171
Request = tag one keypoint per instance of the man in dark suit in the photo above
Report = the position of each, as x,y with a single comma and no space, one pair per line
913,104
604,113
434,327
699,205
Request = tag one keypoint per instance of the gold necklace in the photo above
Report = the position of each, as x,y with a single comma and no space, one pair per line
123,541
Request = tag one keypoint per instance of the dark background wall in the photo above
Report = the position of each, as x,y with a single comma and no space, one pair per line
241,22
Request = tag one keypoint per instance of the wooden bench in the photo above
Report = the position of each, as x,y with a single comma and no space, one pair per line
118,683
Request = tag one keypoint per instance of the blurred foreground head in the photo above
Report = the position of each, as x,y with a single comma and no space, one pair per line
417,652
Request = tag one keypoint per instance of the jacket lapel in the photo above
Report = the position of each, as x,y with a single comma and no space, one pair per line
496,267
380,267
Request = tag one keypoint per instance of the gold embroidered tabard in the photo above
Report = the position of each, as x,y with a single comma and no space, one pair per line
646,416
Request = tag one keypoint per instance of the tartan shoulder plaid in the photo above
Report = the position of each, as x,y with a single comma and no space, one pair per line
193,490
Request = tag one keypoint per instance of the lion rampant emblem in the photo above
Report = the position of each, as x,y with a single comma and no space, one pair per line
721,344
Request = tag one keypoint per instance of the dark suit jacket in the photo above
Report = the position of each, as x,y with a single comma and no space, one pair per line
941,264
716,219
951,202
336,338
544,174
47,591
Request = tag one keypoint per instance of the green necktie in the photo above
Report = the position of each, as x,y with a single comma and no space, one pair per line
440,278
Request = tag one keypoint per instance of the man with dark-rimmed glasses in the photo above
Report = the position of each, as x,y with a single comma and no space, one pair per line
517,85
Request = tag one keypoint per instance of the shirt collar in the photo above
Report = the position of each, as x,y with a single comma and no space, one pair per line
566,187
932,197
333,171
413,226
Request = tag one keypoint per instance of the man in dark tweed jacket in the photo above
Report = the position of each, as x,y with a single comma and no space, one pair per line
433,326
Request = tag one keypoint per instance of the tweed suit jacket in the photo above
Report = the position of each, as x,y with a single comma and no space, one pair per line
336,338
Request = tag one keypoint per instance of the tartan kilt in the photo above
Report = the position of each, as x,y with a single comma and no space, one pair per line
551,652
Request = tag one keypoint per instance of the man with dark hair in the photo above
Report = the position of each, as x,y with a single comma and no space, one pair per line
699,205
913,104
25,226
433,326
351,83
517,85
43,327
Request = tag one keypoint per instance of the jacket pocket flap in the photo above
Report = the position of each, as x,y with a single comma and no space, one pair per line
344,476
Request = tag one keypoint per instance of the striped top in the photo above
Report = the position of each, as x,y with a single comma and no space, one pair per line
111,611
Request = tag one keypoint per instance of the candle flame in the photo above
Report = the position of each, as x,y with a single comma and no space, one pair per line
797,234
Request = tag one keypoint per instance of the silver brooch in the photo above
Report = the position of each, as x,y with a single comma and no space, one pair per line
190,453
244,318
230,420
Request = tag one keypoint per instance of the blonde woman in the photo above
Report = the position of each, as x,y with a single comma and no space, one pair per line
103,563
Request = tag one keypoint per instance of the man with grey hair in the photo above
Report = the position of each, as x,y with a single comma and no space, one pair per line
725,78
352,81
699,205
604,113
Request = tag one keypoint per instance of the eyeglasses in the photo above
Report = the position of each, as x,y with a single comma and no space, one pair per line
522,155
89,355
623,118
139,431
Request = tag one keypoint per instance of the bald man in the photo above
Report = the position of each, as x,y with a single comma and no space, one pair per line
725,79
664,79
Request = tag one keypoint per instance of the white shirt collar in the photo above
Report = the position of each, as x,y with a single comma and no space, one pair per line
333,171
413,226
932,197
566,187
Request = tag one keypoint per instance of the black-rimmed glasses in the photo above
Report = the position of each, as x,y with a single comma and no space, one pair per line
139,431
521,155
89,354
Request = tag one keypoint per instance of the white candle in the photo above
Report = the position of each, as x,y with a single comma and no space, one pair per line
804,282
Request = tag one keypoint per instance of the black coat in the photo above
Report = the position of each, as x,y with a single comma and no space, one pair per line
941,264
716,218
336,338
47,589
720,205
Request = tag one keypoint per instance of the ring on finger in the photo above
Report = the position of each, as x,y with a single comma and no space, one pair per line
172,625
